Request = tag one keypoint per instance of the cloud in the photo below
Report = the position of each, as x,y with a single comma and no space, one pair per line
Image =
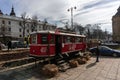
88,11
40,6
100,13
98,3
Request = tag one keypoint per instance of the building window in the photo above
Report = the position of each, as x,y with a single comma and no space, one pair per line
27,25
40,27
3,28
45,27
3,22
20,23
20,30
28,30
9,22
9,29
20,35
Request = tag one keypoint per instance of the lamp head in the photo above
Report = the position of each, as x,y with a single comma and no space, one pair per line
75,7
68,10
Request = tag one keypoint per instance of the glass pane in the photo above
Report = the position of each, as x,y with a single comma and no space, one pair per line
44,39
52,39
34,38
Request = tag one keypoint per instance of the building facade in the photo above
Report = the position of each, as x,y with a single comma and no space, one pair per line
116,26
15,27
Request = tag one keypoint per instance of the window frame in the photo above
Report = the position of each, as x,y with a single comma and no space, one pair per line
78,39
46,36
9,22
3,21
68,39
52,39
34,38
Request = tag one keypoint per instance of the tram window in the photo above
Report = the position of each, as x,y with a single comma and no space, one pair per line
64,39
78,39
44,39
69,40
84,39
34,39
73,39
52,41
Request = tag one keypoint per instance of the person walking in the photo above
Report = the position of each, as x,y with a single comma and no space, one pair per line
9,45
97,54
0,46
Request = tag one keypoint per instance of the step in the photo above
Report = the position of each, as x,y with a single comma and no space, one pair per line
63,67
61,62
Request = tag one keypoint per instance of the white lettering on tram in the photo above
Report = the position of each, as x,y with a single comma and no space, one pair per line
43,49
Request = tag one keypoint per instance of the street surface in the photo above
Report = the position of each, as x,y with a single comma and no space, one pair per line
107,69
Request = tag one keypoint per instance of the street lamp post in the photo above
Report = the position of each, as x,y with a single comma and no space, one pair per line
71,9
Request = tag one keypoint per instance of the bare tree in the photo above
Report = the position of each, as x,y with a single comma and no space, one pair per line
79,28
88,31
97,31
34,23
94,31
24,21
45,24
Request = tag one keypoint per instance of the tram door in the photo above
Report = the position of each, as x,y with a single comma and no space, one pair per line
58,44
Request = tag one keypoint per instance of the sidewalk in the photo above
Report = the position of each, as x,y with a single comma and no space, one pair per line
107,69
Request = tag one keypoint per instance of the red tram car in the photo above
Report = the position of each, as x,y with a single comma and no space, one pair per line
51,43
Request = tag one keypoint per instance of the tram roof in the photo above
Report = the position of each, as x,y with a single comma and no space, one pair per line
58,33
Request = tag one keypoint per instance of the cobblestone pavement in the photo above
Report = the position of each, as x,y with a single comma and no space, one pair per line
107,69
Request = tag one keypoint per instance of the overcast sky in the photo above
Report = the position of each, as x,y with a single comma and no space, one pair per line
87,12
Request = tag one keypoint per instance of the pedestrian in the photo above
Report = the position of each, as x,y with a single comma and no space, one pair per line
97,53
9,45
27,43
0,46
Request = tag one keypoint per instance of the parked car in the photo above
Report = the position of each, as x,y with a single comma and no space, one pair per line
115,44
104,50
2,46
18,44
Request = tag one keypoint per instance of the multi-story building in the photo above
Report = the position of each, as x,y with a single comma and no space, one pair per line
15,27
116,26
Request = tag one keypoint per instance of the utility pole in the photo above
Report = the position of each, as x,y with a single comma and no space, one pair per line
71,9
